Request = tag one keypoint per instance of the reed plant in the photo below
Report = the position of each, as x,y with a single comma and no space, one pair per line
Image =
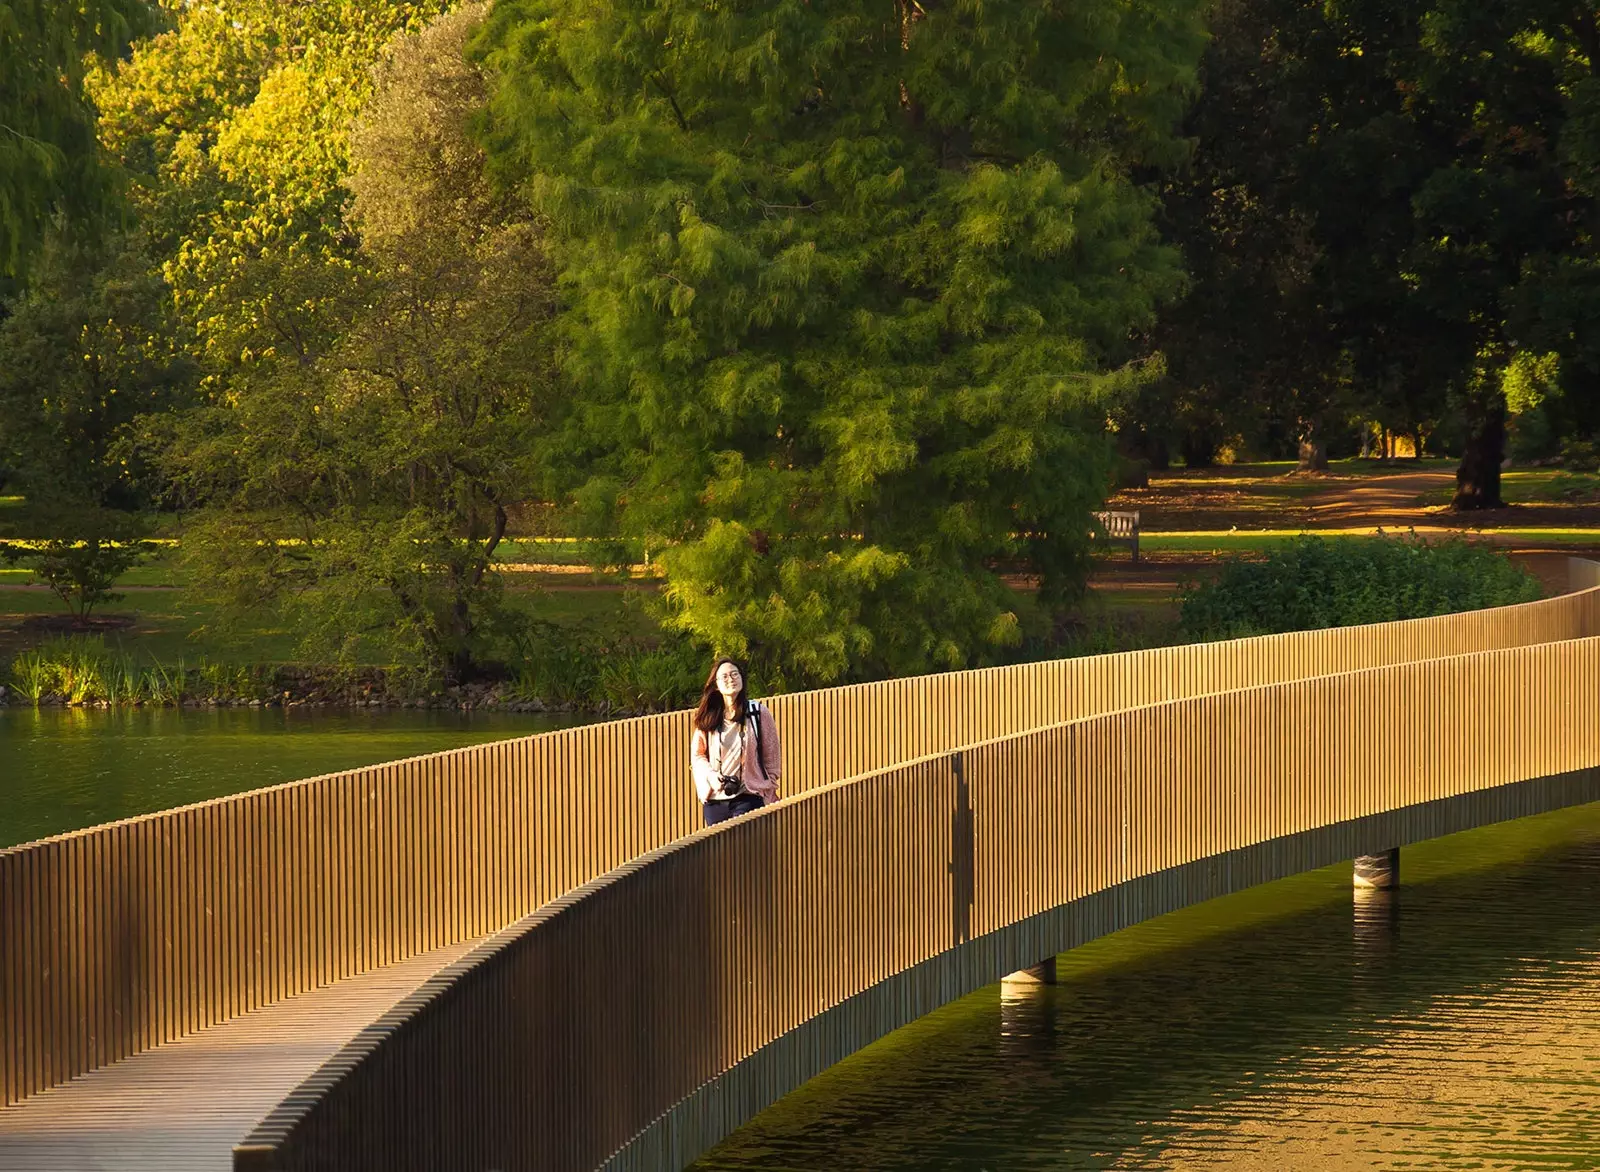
33,676
80,667
156,685
123,680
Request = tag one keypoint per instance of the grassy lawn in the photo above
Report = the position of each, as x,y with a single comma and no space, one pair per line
1263,540
1535,486
1284,476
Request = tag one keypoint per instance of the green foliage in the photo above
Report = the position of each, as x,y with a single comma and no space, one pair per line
849,292
583,669
365,470
50,168
1321,582
1390,215
235,126
89,351
652,680
1580,456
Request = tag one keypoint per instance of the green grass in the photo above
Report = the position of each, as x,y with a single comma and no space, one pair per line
1277,471
1534,486
567,551
1267,540
1549,486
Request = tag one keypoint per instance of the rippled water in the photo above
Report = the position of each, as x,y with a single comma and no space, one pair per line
64,768
1456,1027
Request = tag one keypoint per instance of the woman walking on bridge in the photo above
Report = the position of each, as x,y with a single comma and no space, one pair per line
734,753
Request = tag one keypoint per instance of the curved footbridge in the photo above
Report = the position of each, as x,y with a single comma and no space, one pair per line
524,955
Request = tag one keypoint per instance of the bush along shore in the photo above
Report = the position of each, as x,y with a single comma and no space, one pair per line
560,673
85,672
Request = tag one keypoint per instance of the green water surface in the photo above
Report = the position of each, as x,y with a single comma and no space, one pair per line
1289,1027
65,768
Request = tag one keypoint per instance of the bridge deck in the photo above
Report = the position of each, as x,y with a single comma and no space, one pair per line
182,1106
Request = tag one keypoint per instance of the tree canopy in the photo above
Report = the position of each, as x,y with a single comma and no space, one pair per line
848,290
50,166
1390,216
363,464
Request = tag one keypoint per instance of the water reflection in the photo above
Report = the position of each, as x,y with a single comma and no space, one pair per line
1375,918
1331,1035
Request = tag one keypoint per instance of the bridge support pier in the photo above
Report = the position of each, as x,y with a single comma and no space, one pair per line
1378,871
1043,973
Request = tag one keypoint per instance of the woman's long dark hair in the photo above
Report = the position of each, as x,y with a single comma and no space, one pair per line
708,717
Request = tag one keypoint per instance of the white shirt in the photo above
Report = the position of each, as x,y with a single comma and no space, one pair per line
725,750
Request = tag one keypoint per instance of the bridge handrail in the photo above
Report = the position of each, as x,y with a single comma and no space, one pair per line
121,937
583,1037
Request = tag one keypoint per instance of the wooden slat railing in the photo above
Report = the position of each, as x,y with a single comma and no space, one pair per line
124,936
635,1022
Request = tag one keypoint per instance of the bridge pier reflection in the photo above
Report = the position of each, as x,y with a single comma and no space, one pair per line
1375,919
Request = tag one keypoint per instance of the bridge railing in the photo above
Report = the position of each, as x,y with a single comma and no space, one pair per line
124,936
638,1020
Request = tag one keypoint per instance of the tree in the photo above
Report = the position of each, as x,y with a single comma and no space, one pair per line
89,550
89,350
1400,172
49,163
363,465
850,289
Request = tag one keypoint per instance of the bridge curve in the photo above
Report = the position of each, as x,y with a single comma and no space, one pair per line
937,869
592,1033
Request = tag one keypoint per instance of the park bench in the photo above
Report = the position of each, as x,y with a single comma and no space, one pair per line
1121,527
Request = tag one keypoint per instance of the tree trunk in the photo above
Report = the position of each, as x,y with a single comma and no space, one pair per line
1199,450
1313,455
1478,477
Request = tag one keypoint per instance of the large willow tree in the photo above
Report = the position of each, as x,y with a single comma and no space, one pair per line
849,284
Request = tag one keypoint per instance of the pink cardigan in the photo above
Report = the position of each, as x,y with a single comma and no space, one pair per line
760,778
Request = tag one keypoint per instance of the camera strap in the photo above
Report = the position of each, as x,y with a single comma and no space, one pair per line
754,711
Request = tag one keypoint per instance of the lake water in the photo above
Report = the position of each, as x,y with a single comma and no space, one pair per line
1283,1028
65,768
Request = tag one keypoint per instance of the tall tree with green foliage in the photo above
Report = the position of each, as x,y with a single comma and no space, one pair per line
235,126
360,469
849,292
50,164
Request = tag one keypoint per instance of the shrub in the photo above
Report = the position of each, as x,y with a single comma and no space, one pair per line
1578,455
653,680
560,667
1341,582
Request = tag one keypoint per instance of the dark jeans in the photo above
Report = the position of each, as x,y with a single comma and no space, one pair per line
732,808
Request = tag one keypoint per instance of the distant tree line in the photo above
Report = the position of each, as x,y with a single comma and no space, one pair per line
842,310
1388,219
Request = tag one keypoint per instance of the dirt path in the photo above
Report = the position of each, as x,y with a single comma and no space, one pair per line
1377,500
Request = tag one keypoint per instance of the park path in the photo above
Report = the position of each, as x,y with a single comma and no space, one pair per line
1376,500
182,1106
